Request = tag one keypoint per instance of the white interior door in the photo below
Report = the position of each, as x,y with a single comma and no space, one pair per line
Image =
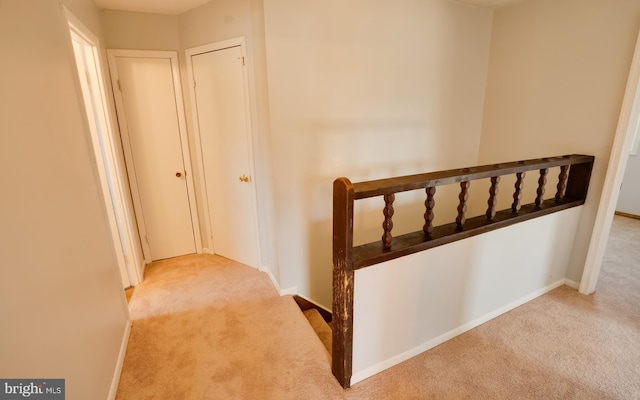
221,104
148,114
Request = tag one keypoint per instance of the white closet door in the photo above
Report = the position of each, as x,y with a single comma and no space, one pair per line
222,118
148,117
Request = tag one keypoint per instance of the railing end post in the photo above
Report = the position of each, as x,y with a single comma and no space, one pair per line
343,281
578,181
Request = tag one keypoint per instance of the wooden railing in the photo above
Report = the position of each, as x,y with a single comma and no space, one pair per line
571,191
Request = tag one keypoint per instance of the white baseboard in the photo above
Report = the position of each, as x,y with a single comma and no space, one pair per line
390,362
120,362
205,250
141,270
289,291
274,281
572,284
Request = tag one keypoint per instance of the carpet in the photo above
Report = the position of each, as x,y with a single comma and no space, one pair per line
205,327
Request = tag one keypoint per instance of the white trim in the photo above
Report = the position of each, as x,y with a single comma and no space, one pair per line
186,153
267,271
293,290
207,48
120,362
636,141
126,147
250,107
142,269
390,362
572,284
627,123
172,56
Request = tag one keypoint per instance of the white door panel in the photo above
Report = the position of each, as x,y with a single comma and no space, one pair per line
222,121
149,116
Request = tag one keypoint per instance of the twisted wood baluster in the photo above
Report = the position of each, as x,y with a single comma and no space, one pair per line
387,225
517,195
462,207
493,198
562,183
429,204
542,181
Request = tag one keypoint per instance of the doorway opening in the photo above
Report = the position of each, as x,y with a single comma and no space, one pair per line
91,81
622,146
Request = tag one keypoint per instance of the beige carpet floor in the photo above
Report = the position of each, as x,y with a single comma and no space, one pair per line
205,327
208,328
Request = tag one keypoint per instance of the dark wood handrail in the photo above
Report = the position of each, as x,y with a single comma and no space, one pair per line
381,187
572,186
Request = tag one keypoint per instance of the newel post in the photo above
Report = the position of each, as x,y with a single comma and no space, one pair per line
342,339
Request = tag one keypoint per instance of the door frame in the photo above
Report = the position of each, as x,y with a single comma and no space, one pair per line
623,140
100,127
172,56
207,48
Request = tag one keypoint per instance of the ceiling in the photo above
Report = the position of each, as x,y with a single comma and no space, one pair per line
175,7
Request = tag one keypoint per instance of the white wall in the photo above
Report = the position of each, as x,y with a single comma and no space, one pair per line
139,31
62,305
450,289
557,75
365,90
629,200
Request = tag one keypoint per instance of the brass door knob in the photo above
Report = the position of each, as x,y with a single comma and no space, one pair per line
245,178
178,174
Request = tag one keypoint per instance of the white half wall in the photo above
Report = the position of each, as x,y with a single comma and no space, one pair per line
406,306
